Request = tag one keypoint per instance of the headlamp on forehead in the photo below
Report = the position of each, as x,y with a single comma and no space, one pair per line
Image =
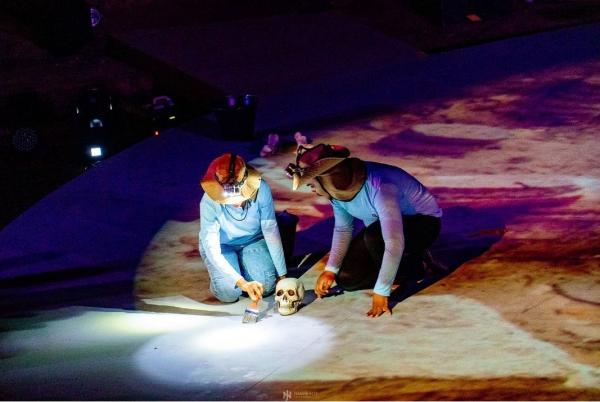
232,187
294,172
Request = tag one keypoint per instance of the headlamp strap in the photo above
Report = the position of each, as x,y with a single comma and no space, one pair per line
231,177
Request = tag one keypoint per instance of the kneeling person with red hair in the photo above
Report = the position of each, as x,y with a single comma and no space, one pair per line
239,238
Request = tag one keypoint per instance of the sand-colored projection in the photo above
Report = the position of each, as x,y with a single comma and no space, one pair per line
514,164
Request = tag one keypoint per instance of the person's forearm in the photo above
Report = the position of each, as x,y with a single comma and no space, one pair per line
216,259
387,274
209,242
273,240
392,232
342,236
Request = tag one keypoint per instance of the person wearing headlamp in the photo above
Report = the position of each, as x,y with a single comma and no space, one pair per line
239,239
400,215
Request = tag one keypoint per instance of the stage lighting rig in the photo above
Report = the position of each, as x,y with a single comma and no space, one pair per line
95,152
164,113
95,17
94,123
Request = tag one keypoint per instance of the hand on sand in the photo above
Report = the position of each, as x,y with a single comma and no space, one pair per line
380,306
324,282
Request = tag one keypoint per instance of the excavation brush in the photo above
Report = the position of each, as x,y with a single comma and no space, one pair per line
251,313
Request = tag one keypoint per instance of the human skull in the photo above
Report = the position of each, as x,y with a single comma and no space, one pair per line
288,295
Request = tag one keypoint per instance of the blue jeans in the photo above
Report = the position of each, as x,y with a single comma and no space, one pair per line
252,261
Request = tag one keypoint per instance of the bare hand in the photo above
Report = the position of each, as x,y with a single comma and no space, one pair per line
324,283
380,306
254,289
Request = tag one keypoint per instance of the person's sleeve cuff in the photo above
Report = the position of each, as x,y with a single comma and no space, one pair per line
332,269
236,279
281,271
382,290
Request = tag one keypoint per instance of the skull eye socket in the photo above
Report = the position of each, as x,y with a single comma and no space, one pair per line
279,292
291,292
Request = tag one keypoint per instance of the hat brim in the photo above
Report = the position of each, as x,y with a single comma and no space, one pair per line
316,169
214,189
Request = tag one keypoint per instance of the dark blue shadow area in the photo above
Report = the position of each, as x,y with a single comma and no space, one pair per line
106,285
301,263
310,296
24,260
315,238
318,237
312,244
466,234
82,244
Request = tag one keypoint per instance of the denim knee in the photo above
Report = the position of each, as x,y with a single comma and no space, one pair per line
258,265
225,294
269,285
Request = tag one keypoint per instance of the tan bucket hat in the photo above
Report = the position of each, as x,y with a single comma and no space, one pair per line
229,180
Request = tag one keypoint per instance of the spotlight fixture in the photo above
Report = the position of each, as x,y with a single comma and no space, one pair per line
96,123
95,152
95,17
94,118
25,139
164,112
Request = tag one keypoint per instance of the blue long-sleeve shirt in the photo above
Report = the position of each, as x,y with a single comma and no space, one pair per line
388,193
229,225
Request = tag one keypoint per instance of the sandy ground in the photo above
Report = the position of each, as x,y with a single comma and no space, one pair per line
514,165
513,162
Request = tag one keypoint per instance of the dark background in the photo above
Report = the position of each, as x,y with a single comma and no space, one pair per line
49,56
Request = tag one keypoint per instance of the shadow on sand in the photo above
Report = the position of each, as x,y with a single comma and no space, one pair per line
466,234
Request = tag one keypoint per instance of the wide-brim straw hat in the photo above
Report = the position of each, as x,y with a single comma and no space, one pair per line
215,190
314,161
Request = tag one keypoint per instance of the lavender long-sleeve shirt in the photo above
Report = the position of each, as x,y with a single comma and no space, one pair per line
388,193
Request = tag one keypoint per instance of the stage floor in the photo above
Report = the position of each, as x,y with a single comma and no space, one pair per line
121,309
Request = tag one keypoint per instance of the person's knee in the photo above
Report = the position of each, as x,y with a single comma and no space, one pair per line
258,266
226,294
269,284
228,297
